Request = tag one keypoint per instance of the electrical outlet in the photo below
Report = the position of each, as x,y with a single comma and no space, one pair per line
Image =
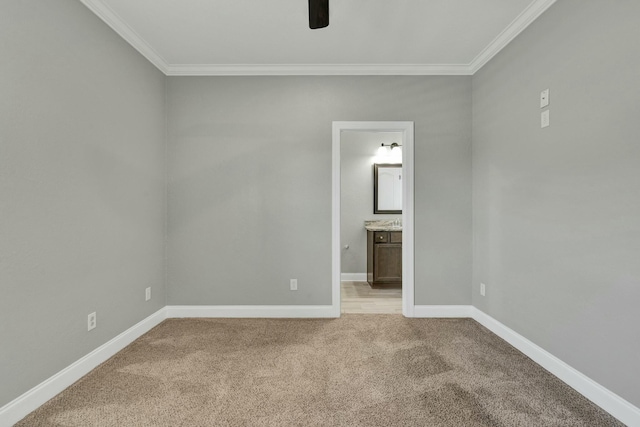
147,294
483,289
92,321
293,284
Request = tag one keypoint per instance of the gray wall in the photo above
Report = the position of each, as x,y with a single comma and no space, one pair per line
557,210
81,188
249,162
358,151
82,121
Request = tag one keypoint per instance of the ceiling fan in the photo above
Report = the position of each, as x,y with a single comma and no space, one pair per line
318,14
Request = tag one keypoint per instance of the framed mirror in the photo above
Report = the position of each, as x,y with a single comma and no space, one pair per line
387,188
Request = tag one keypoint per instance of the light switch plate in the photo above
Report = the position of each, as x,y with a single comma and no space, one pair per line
544,98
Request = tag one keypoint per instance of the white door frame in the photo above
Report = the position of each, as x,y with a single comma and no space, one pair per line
406,128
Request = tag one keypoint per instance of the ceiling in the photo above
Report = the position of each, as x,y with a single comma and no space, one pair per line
364,37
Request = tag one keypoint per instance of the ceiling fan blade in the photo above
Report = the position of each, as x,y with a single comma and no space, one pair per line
318,13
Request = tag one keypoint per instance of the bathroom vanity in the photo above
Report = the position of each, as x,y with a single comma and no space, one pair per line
384,253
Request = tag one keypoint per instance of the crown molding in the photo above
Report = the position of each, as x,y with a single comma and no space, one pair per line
518,25
116,23
318,70
522,21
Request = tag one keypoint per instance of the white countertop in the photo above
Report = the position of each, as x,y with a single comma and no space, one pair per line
382,225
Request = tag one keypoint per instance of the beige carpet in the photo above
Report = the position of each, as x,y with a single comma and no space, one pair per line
359,370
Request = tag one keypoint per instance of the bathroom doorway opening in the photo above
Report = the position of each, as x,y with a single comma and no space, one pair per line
351,163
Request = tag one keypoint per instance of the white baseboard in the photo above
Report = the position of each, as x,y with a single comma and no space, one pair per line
601,396
23,405
271,311
442,311
604,398
32,399
353,277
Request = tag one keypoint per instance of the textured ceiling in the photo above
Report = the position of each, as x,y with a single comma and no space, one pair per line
213,37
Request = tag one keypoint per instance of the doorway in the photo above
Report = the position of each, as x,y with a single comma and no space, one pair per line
405,131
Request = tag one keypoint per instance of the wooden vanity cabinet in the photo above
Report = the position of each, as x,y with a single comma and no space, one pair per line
384,258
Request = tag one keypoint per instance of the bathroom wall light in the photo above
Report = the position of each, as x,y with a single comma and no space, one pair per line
384,151
389,153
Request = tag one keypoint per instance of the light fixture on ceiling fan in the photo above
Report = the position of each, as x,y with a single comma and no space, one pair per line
318,14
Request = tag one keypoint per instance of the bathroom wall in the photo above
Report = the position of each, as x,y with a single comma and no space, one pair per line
81,188
358,152
557,209
250,183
